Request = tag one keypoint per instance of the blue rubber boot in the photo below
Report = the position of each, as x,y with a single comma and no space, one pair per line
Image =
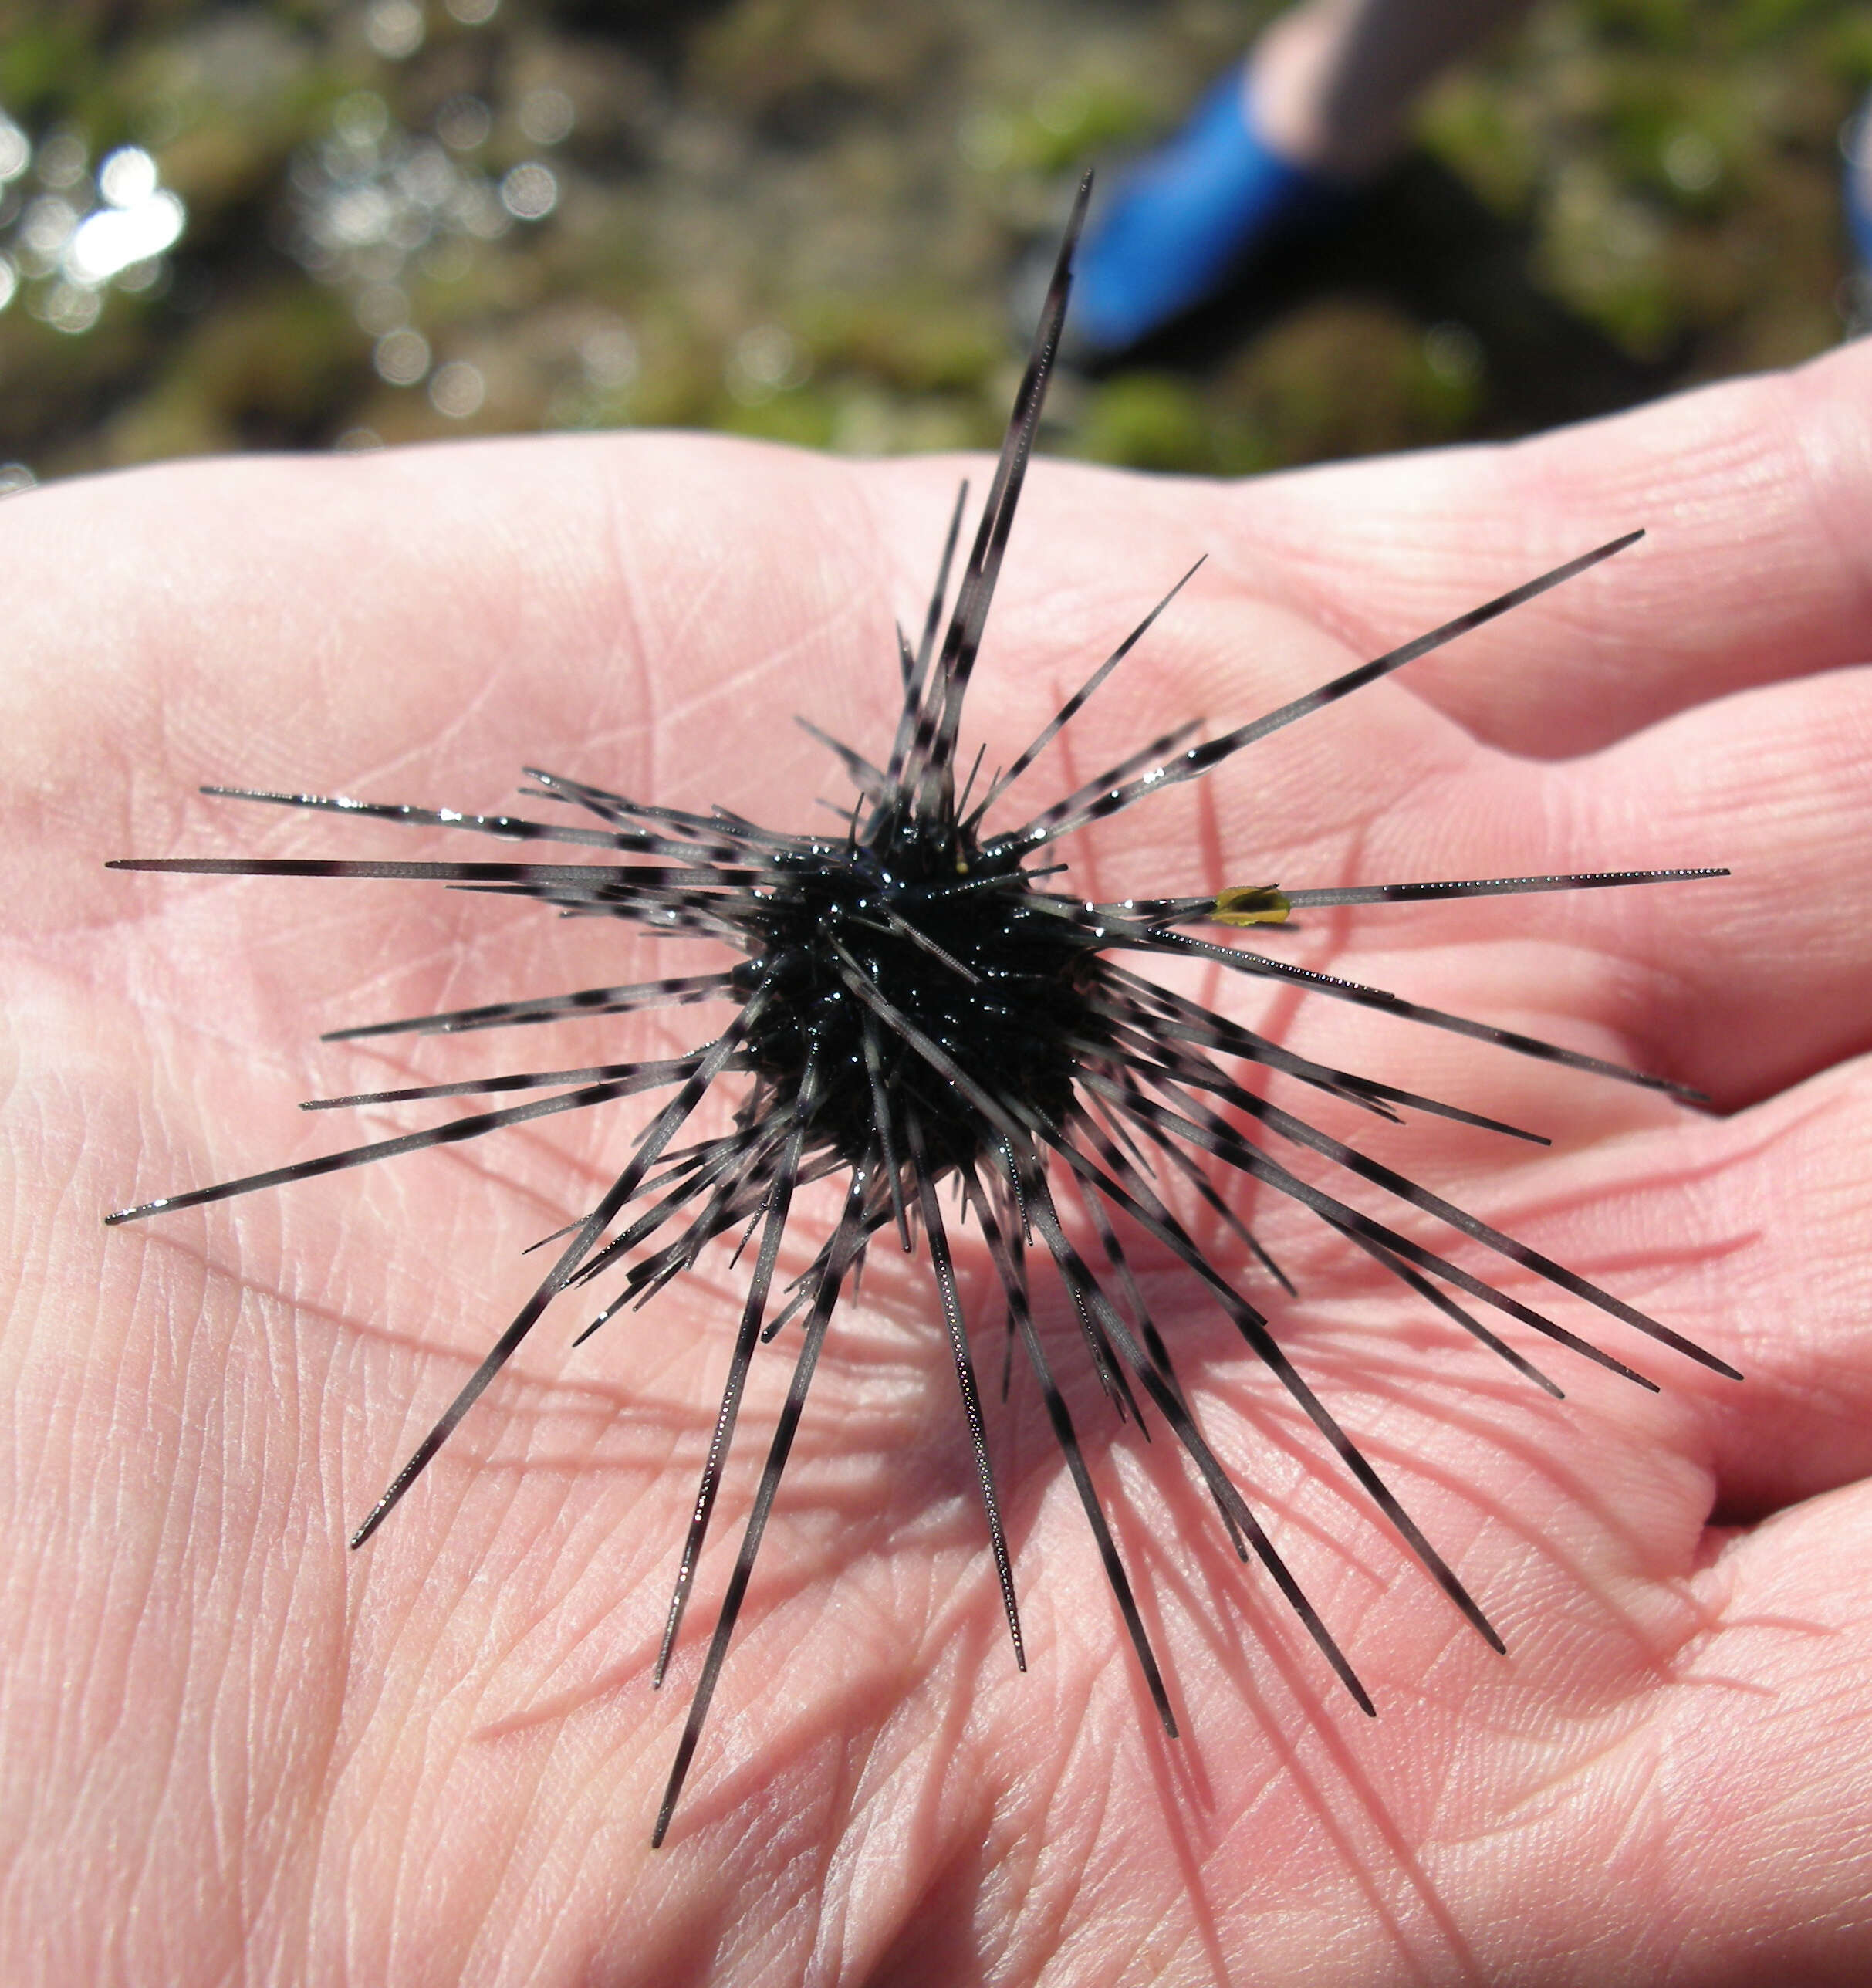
1180,221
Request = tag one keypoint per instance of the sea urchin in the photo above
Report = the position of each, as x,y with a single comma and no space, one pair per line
915,1004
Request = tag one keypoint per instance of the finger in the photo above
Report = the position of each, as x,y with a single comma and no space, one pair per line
1776,1237
1749,1234
1758,980
1737,986
1757,1746
1709,1803
1756,566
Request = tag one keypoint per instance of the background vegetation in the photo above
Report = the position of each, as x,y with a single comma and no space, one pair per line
305,225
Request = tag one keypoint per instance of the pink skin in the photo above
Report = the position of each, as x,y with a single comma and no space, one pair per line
1331,84
236,1752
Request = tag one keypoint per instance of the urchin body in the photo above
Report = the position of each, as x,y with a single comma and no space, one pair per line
902,904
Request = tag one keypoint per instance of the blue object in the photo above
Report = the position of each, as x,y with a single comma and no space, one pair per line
1180,221
1858,150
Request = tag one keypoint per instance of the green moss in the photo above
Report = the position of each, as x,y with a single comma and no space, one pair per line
922,341
806,415
1476,131
46,60
1069,117
1146,421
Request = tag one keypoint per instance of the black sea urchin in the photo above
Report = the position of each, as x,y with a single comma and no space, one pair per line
915,1004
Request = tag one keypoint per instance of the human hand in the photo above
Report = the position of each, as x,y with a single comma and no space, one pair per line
233,1748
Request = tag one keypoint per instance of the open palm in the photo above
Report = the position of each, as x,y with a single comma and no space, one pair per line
233,1750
